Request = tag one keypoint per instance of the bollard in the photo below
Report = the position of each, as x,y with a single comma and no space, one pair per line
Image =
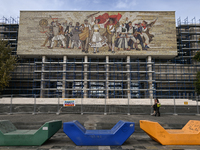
175,114
128,106
34,105
58,111
11,105
197,106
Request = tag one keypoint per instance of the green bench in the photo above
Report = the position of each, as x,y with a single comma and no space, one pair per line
10,136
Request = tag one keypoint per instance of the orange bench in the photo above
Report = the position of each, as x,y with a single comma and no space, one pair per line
188,135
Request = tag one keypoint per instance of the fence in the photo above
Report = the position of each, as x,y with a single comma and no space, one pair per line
27,104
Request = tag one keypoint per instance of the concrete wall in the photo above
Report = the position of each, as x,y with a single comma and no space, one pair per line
91,101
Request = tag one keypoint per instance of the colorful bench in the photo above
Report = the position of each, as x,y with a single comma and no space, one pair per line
82,137
188,135
10,136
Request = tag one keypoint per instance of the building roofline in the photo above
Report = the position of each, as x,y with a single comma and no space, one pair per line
88,11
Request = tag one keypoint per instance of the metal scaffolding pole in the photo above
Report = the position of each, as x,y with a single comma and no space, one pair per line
107,76
150,77
42,77
64,76
128,83
85,76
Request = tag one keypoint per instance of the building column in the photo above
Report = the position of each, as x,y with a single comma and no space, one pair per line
107,76
64,76
85,76
42,77
149,66
128,77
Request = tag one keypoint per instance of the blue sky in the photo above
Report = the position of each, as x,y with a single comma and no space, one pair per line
183,8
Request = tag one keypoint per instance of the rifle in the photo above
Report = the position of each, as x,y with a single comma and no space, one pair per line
92,14
152,23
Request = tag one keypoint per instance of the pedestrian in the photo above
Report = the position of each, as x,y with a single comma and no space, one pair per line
157,107
154,108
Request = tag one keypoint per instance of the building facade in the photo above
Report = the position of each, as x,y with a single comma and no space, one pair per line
87,75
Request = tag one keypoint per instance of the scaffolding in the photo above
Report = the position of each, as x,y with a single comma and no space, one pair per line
22,77
93,78
108,76
9,32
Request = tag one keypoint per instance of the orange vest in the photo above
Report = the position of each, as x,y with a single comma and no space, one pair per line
85,34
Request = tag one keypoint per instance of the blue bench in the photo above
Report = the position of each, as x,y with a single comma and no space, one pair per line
82,137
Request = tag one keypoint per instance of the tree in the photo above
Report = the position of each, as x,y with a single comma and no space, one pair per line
197,82
7,64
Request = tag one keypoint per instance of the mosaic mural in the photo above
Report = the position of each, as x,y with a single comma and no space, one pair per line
97,33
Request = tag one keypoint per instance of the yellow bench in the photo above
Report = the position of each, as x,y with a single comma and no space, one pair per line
188,135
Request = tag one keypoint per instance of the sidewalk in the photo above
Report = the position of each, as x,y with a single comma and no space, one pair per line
138,140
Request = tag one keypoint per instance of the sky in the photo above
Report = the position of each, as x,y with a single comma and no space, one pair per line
183,8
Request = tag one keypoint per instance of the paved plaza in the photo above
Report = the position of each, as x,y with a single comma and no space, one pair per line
60,141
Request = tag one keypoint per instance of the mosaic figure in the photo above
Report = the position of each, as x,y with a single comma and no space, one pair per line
110,32
67,33
131,35
75,41
58,35
85,36
139,35
122,37
48,30
144,35
97,40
